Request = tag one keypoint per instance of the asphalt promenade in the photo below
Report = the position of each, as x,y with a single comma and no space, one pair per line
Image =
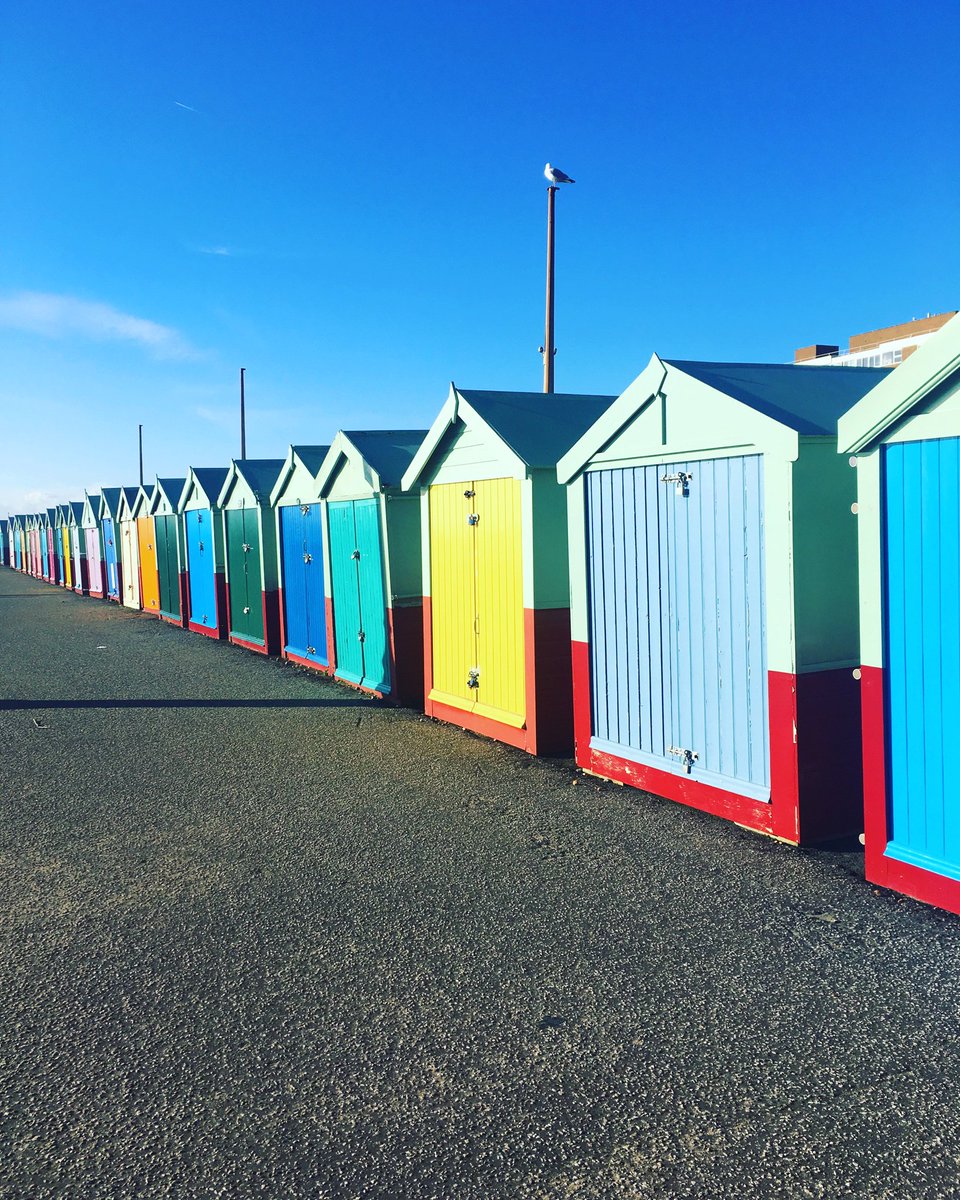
262,937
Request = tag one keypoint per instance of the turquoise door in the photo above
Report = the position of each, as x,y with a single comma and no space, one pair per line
359,594
201,567
921,555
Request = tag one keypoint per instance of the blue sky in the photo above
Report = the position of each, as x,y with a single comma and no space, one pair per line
348,201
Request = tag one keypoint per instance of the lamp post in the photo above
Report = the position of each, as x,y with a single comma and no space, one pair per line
548,347
554,177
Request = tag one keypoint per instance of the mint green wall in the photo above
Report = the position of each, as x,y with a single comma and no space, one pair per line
825,564
551,568
403,547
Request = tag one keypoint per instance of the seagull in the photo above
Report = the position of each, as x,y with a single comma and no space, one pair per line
555,175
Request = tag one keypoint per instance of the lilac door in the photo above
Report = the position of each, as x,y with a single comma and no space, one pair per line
94,565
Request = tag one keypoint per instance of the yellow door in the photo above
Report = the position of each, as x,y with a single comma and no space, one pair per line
476,598
67,569
499,574
453,602
149,579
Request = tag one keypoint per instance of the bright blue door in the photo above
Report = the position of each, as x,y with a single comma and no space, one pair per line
315,599
677,622
110,558
201,565
305,617
921,554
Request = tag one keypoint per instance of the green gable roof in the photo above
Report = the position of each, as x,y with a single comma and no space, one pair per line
809,399
539,427
388,451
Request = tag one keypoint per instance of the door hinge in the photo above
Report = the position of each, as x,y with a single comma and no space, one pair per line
473,677
681,479
687,757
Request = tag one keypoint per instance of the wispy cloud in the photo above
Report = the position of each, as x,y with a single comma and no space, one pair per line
224,418
68,316
220,251
188,107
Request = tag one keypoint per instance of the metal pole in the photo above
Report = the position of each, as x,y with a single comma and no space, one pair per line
243,419
140,436
548,338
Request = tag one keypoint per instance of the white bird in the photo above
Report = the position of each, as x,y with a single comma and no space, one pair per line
555,175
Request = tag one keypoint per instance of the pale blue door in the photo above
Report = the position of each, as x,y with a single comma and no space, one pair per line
677,621
201,567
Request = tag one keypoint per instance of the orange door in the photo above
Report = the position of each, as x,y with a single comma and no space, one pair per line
149,579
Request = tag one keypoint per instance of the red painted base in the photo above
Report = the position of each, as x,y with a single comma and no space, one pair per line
548,729
815,786
910,880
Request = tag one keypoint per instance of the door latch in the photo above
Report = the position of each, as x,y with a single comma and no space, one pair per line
247,609
473,518
308,558
200,546
681,479
469,494
304,508
473,677
247,547
311,649
687,757
361,636
356,555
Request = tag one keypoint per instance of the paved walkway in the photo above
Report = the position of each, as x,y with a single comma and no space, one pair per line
262,937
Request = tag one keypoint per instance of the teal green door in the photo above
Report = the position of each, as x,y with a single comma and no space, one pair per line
243,569
168,566
359,596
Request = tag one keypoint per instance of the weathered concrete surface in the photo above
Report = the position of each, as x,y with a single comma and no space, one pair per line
264,938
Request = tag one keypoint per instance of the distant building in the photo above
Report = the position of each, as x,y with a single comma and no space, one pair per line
880,348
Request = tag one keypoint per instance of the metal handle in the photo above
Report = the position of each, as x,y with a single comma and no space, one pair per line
473,518
308,558
473,677
469,493
355,554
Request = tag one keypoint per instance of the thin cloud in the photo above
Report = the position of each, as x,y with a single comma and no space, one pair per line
222,417
56,316
219,251
188,107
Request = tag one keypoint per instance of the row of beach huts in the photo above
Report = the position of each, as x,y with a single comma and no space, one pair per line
736,586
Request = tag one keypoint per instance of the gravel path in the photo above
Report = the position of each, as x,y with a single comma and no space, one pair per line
263,937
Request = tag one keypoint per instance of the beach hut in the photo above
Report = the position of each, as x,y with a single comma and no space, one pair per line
147,552
43,560
376,562
63,528
108,514
302,559
4,544
91,536
129,547
904,440
16,536
50,532
61,575
29,522
202,521
494,550
78,548
171,559
250,540
713,594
